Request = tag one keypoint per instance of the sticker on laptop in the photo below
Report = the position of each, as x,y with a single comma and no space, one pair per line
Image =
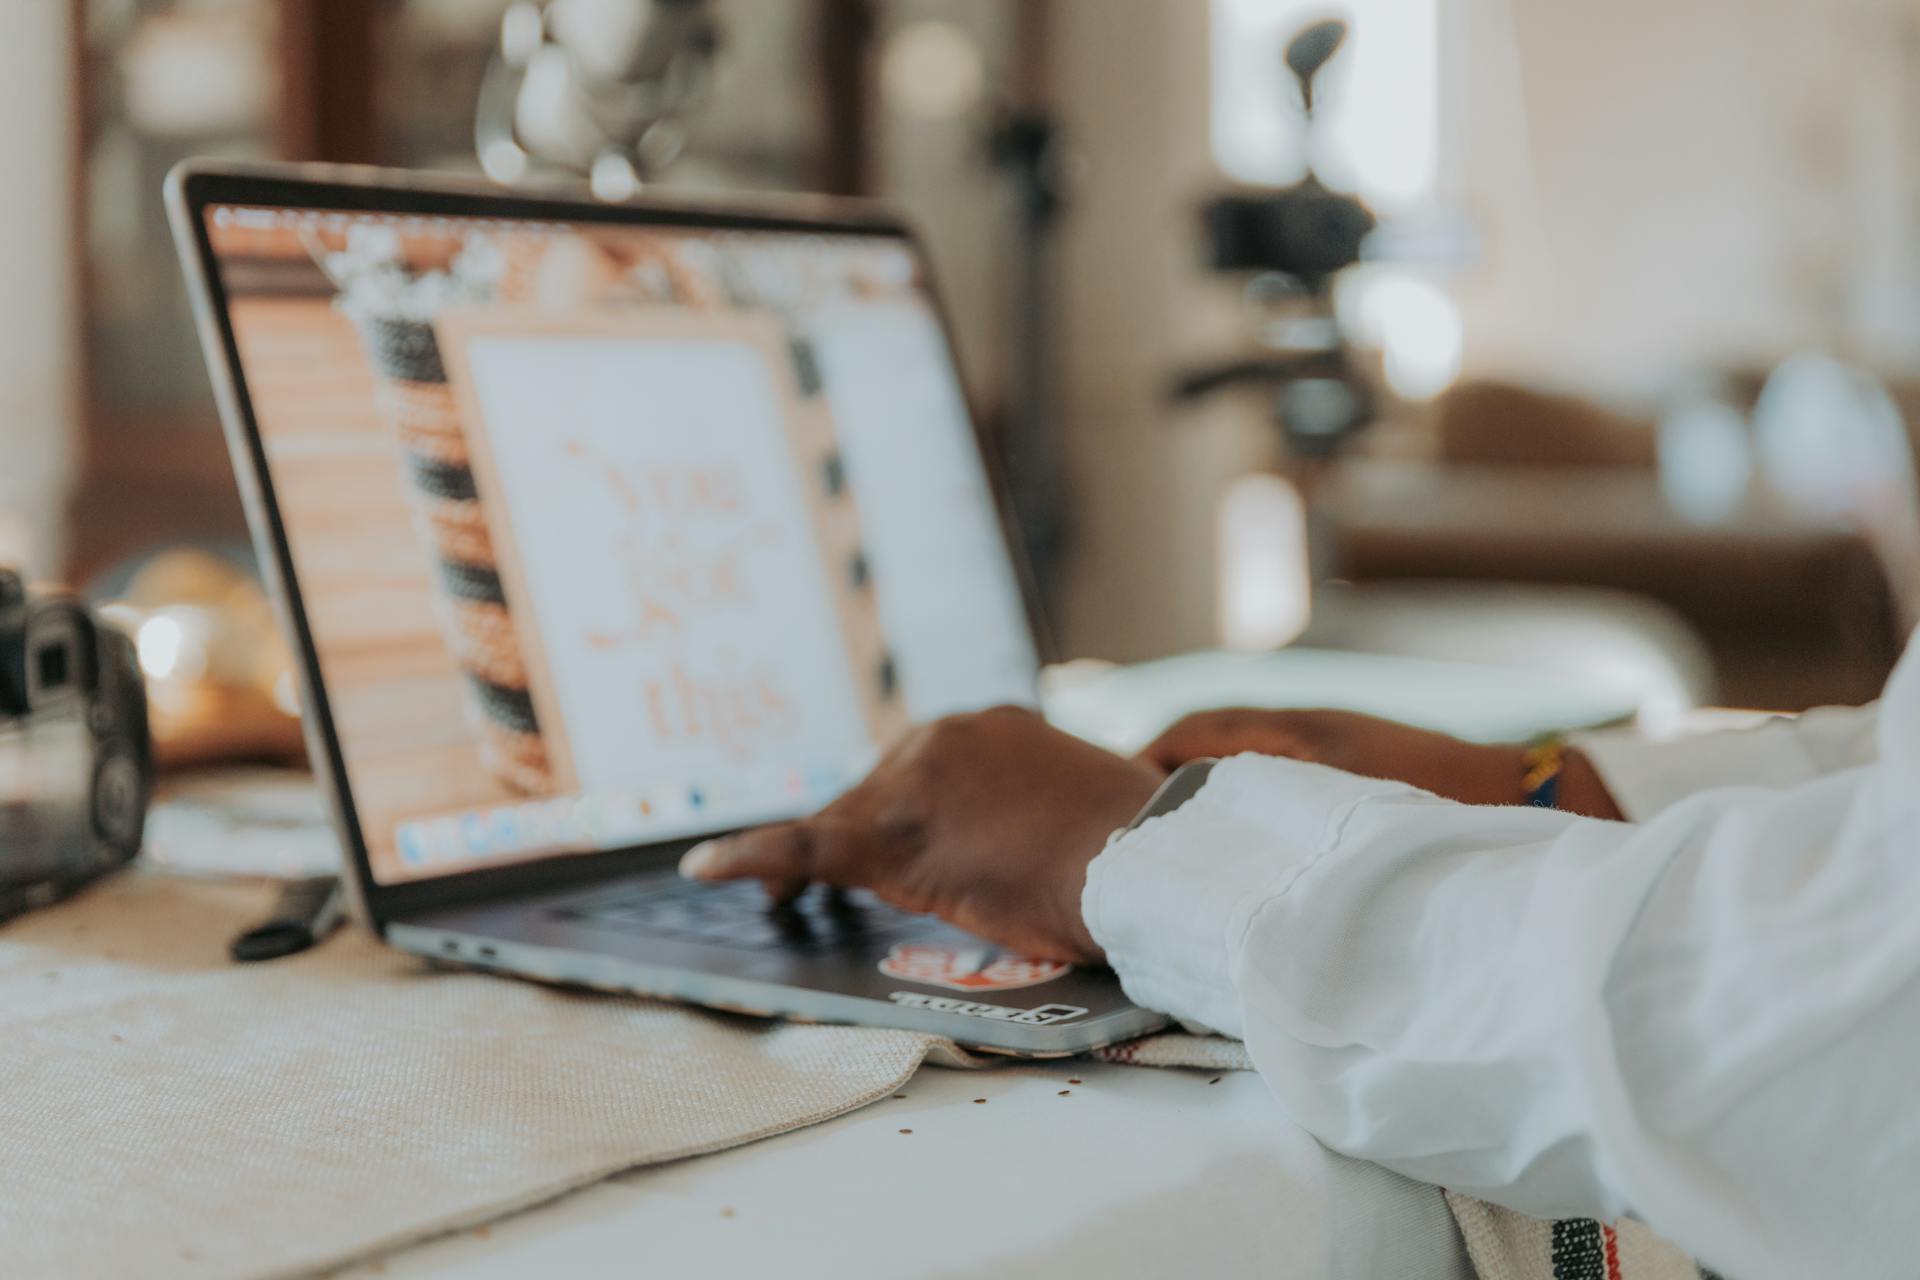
1044,1016
968,968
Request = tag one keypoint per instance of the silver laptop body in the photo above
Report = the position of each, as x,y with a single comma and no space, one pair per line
598,530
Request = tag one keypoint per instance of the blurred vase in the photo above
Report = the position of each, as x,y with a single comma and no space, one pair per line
219,674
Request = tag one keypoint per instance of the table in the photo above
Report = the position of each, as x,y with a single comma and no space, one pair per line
1132,1172
1076,1167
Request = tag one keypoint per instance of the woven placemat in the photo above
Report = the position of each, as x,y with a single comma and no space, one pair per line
164,1112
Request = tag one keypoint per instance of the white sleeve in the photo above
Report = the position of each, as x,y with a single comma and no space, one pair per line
1708,1020
1646,776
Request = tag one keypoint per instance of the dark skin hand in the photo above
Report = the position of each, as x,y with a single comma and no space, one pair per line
987,820
1471,773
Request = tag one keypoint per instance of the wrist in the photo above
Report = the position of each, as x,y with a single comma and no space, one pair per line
1497,774
1490,774
1583,791
1552,775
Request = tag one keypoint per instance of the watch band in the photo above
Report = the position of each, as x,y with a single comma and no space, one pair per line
1181,786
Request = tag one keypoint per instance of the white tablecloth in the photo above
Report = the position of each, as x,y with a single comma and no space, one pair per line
1135,1172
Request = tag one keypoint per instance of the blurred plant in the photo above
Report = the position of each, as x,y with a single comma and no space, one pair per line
594,87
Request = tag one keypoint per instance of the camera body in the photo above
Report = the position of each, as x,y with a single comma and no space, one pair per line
1293,241
1304,231
76,761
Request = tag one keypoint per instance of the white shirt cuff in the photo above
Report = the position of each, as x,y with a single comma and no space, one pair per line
1645,776
1171,901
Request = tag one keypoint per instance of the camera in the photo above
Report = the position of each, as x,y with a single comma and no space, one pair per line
1293,241
1304,231
76,761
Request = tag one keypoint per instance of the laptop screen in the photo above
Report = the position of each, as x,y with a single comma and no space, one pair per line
612,534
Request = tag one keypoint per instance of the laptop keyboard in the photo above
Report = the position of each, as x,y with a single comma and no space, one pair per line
736,914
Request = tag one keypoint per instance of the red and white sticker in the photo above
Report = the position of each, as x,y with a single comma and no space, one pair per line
968,969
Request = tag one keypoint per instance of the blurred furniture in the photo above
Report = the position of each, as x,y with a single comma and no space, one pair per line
155,81
1497,424
1536,489
360,81
1608,647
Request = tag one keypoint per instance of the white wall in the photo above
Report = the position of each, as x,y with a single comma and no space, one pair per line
1130,80
1663,185
1671,183
37,321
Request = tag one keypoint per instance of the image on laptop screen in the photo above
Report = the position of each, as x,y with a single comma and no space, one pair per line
613,534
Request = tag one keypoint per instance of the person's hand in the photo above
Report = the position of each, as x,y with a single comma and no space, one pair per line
987,820
1471,773
1346,740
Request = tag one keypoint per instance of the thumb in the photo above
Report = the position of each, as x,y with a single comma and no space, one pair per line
1228,733
1183,742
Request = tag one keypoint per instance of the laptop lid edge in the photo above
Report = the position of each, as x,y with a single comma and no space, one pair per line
193,185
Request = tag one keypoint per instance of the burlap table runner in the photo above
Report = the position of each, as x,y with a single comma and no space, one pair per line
164,1112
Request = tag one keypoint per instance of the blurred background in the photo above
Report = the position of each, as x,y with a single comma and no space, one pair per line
1578,338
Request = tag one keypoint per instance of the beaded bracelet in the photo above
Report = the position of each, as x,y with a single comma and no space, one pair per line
1542,764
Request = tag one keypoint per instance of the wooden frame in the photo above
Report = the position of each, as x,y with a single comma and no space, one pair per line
844,52
328,107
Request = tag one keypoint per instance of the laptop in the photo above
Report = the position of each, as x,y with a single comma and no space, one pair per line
600,529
